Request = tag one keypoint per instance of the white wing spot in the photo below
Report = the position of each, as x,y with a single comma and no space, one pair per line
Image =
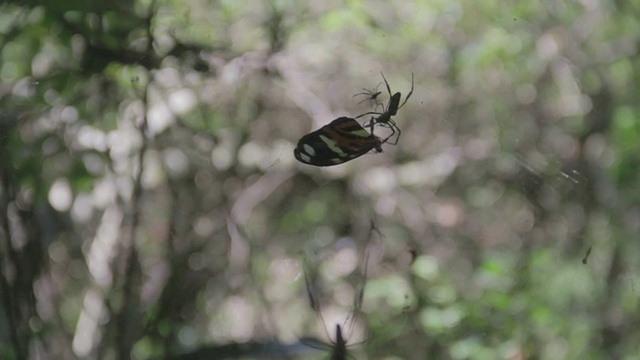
305,157
309,150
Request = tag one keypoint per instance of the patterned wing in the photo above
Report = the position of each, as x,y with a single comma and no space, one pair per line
342,140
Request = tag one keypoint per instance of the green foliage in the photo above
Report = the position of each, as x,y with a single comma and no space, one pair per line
150,205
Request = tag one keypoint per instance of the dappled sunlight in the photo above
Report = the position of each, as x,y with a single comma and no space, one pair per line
239,319
152,207
378,180
341,263
103,248
60,196
160,118
431,171
88,333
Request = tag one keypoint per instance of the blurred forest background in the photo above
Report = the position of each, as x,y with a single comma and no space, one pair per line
151,206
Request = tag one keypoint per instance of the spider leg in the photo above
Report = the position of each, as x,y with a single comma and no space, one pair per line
372,93
311,288
374,103
369,97
368,113
366,92
385,140
393,132
371,124
386,83
394,129
409,94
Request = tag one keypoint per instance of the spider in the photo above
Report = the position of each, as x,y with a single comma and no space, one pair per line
371,95
384,118
340,344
